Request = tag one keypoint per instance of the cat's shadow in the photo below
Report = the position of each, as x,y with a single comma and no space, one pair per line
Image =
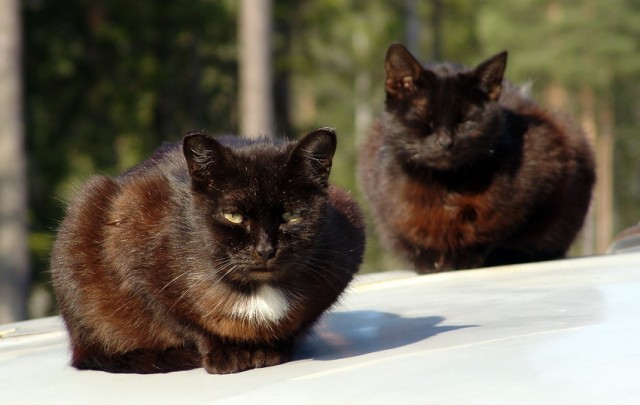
354,333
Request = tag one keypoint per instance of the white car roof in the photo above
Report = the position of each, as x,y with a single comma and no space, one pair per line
564,331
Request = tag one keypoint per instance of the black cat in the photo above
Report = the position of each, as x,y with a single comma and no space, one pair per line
463,170
218,254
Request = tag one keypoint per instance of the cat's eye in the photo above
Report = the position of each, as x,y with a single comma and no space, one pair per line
233,218
291,216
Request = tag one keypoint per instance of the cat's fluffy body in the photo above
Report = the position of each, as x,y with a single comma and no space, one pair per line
219,253
463,170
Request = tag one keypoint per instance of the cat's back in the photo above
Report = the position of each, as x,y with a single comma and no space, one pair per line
166,160
103,203
86,216
76,264
552,143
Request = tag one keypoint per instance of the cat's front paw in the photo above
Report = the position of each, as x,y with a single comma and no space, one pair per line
229,360
265,357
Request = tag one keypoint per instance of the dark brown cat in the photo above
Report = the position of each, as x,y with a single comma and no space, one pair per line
463,170
218,254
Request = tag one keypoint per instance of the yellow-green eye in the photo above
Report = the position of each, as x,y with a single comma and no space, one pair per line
291,216
234,218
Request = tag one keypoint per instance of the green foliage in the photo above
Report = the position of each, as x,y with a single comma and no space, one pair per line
108,81
627,154
575,43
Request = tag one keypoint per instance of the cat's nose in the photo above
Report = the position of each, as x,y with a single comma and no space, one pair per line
266,245
445,141
266,251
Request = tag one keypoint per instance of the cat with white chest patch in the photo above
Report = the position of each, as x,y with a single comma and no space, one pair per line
217,253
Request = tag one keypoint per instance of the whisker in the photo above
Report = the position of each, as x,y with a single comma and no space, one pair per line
174,279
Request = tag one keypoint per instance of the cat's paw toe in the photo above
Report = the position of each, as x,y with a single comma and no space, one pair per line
227,362
236,360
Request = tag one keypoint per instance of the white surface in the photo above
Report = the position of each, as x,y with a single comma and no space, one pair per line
563,332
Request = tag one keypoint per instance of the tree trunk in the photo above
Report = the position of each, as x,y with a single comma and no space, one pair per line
556,98
14,259
602,138
412,27
604,157
588,121
256,88
436,27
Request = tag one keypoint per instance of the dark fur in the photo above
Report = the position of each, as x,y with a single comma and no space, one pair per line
463,170
147,270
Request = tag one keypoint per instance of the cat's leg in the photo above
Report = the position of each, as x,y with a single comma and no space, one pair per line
233,357
422,259
505,256
271,356
434,261
140,361
468,258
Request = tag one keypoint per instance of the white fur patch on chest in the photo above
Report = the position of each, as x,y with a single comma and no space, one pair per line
265,305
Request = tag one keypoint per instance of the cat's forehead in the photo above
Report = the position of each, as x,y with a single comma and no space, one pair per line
262,166
447,77
258,161
450,90
258,177
445,69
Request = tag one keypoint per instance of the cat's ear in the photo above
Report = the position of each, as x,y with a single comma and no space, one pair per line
204,155
490,74
315,153
401,71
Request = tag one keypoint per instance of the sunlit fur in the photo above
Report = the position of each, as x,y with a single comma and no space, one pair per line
187,261
463,170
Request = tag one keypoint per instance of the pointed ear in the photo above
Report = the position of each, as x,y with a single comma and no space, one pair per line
204,156
401,71
490,74
315,153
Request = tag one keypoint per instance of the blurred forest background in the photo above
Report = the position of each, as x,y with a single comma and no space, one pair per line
92,87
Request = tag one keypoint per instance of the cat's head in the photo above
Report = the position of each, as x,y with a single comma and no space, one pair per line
261,205
445,116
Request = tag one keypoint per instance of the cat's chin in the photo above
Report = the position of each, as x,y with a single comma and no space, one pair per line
262,270
261,273
437,164
243,276
424,160
440,166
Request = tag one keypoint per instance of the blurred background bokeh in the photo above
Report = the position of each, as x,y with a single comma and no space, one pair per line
92,87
